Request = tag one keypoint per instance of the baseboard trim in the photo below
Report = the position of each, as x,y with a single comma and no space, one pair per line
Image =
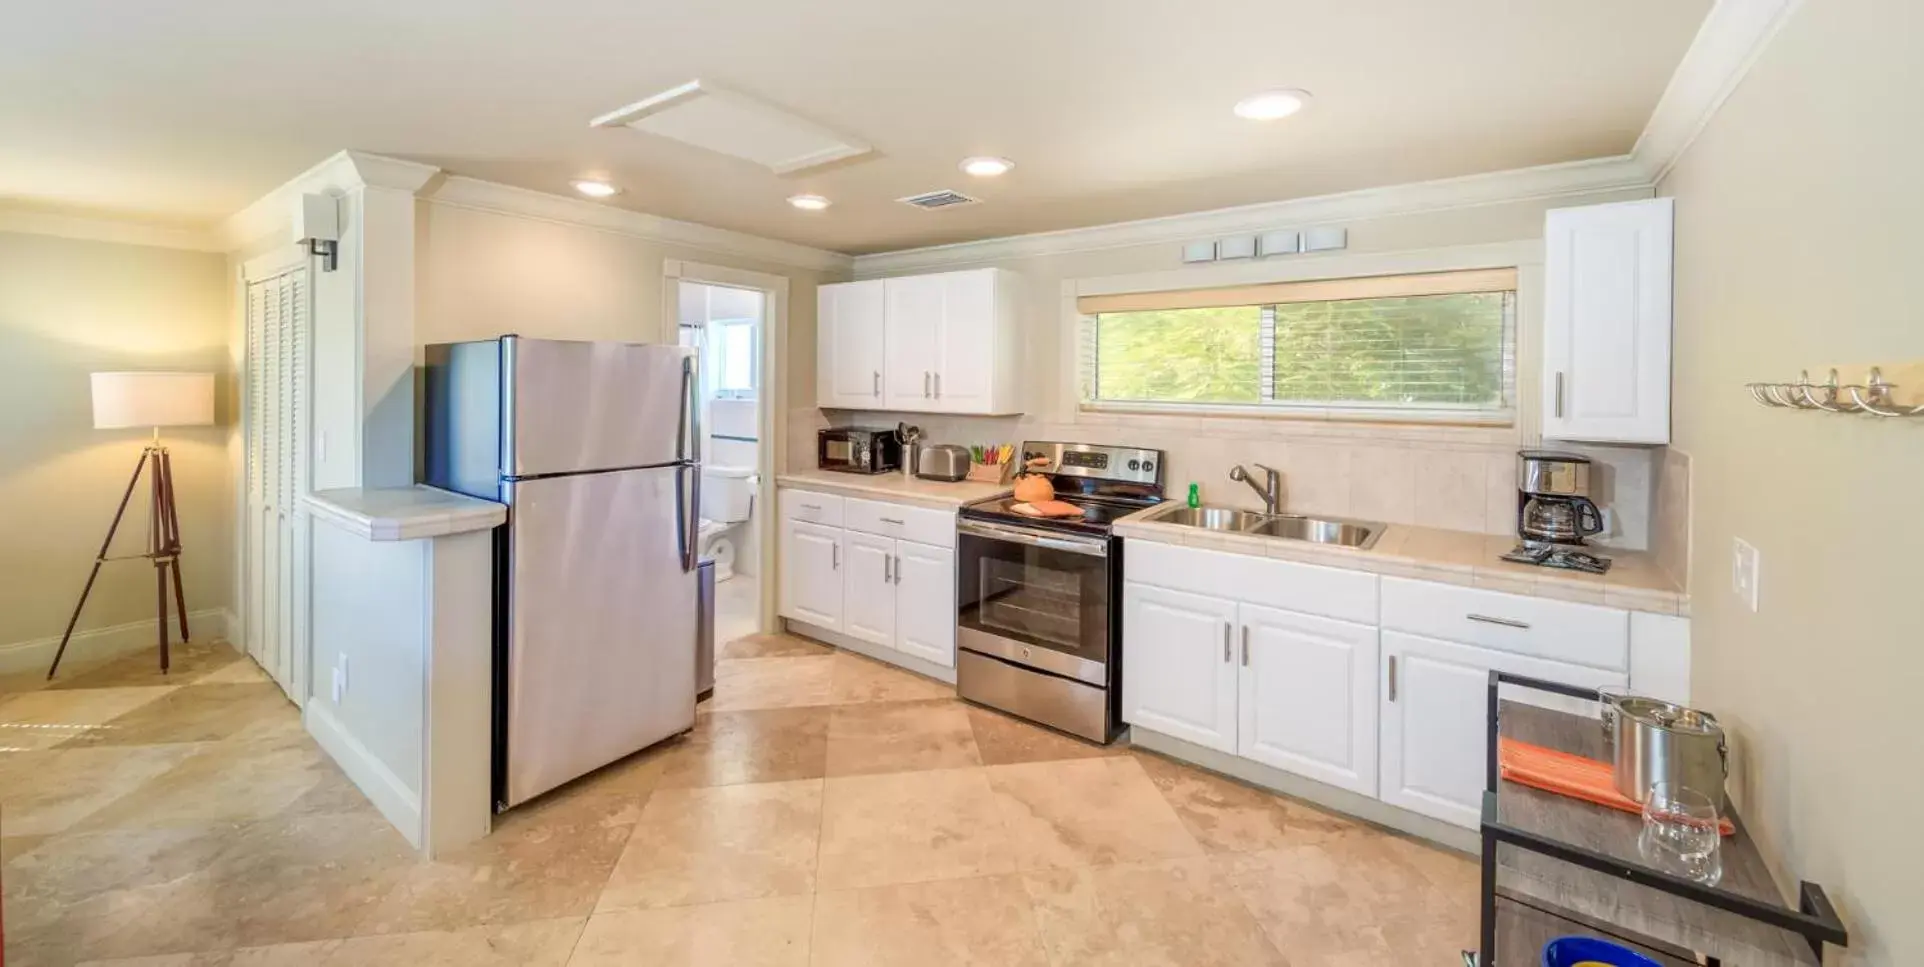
382,787
97,645
926,669
1348,803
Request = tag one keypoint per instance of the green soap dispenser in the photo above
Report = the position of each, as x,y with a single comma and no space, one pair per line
1195,494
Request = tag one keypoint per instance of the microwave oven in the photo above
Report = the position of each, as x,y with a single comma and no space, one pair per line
858,449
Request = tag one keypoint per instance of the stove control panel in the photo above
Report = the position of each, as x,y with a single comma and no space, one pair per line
1094,461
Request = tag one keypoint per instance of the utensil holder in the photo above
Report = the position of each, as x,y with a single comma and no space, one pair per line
988,472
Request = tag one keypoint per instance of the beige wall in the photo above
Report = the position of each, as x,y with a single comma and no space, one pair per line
68,308
1797,228
1461,478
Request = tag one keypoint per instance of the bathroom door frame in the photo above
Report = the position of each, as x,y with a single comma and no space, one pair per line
771,415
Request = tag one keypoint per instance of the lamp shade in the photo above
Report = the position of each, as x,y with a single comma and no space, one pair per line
152,399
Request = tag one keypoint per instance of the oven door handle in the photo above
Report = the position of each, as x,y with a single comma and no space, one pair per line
1074,545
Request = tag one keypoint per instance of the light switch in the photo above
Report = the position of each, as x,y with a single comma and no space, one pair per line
1744,567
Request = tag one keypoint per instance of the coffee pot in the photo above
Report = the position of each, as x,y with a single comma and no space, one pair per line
1553,498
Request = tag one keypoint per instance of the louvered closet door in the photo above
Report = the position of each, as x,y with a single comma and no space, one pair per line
277,337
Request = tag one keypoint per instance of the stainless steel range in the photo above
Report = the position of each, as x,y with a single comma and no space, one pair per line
1039,623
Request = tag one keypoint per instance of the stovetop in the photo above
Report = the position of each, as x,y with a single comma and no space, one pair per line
1106,482
1098,514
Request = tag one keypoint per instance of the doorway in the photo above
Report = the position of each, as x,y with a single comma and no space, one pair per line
727,325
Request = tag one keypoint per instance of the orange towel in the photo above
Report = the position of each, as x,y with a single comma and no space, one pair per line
1047,508
1590,780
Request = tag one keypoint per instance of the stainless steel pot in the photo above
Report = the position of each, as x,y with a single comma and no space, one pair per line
1659,742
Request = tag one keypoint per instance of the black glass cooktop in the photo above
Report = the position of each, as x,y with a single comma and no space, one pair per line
1098,514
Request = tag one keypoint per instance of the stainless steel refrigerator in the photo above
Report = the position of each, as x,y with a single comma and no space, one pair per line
594,447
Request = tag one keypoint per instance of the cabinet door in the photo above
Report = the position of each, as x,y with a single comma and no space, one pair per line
1307,700
1434,720
1606,325
868,591
811,569
966,343
925,602
1179,676
850,319
914,323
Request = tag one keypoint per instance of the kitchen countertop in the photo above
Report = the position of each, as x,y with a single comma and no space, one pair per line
403,513
892,486
1634,582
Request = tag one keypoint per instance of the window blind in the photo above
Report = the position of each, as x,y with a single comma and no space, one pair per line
1319,290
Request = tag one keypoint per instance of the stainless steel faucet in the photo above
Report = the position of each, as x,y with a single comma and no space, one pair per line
1271,489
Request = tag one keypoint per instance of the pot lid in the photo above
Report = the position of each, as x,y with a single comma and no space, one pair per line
1664,715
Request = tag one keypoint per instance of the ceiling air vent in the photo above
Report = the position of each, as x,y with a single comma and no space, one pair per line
938,199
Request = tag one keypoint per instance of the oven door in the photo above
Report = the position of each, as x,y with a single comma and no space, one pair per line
1035,598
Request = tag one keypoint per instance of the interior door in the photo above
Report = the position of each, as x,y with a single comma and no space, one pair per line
1179,673
966,342
925,602
914,322
849,348
812,574
1434,710
276,415
1307,701
601,622
868,591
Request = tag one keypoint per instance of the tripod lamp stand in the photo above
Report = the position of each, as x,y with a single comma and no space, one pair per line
122,400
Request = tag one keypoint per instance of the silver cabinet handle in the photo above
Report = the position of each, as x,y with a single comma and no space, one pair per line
1559,395
1245,646
1505,622
890,520
877,391
835,556
1226,641
815,507
925,384
1392,678
938,386
888,569
898,569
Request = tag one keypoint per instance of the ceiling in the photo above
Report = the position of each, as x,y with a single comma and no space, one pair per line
1112,109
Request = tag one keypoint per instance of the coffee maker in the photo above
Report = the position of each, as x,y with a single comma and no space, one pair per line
1555,512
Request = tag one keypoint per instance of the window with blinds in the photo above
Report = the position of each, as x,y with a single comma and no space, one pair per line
1431,346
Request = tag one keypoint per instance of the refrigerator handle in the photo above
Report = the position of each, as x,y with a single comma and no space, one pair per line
688,514
689,429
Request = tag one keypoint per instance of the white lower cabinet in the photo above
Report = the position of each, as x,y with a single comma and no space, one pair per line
1307,697
811,559
925,602
1434,719
1178,675
868,589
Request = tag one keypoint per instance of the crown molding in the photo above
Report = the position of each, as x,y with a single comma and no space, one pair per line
1546,181
472,193
94,228
1733,35
340,173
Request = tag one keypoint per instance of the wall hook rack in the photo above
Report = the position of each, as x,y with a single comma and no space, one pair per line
1875,395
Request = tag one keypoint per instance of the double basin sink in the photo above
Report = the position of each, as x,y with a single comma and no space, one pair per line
1343,533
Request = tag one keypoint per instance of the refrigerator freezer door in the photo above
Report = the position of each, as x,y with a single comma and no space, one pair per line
601,623
575,406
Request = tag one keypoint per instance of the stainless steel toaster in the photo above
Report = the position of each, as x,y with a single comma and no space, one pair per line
942,461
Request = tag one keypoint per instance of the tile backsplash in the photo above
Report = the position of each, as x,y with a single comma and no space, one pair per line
1462,478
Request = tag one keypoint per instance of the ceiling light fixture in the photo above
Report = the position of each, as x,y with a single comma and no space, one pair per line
985,167
1270,105
596,189
808,203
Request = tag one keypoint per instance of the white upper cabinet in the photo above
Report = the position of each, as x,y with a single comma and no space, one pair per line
849,344
1606,322
940,343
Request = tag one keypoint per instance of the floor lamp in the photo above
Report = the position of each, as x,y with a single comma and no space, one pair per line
154,400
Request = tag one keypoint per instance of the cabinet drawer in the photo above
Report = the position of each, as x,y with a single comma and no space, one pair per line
1558,630
1306,588
810,506
918,524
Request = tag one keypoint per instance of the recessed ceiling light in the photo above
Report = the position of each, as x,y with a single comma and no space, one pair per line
808,203
987,167
596,189
1270,105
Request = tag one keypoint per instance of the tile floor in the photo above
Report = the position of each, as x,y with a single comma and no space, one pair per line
826,810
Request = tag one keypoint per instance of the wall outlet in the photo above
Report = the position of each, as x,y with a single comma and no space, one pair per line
1744,565
340,680
320,446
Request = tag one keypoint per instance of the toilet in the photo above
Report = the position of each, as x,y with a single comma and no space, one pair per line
727,499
